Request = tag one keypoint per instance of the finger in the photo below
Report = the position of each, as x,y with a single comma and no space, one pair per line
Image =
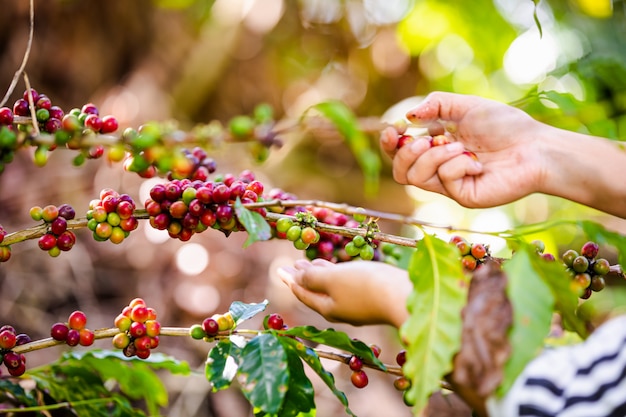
389,141
322,262
440,105
427,166
458,167
406,157
306,275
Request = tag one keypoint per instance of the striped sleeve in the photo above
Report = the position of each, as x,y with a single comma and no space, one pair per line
583,380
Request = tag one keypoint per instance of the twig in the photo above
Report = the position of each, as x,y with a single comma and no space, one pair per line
16,77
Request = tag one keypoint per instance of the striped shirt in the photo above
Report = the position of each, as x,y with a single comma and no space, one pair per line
583,380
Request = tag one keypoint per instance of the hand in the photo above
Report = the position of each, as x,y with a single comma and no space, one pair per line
506,140
356,292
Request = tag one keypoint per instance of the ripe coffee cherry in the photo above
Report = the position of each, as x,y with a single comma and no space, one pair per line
210,326
469,262
355,363
464,247
359,379
139,313
275,321
47,241
73,337
375,350
478,250
404,140
59,331
590,250
77,320
12,360
401,358
153,328
8,339
86,337
137,329
109,124
6,116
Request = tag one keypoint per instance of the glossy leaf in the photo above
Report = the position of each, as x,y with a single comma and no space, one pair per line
242,311
533,305
136,377
257,227
221,364
300,397
309,356
559,280
336,339
263,373
348,125
433,330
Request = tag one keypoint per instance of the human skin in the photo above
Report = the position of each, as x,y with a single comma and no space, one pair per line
518,156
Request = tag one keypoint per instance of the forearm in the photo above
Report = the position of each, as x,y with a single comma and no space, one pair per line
585,169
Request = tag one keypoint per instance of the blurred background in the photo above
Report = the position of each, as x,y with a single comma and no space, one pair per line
193,61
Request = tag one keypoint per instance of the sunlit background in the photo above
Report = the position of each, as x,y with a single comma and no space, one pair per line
199,60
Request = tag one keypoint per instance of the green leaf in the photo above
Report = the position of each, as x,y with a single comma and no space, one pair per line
348,125
242,311
559,280
263,373
309,356
433,330
257,227
336,339
300,398
533,305
602,236
136,377
221,364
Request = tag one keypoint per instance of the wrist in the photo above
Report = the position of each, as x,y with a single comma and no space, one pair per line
583,169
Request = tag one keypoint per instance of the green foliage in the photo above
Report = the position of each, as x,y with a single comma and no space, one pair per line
533,304
242,311
348,125
433,331
82,379
257,227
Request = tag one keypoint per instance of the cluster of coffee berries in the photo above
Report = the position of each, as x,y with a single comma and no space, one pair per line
472,254
184,207
48,117
198,166
111,217
138,329
211,326
8,137
587,270
391,253
5,251
9,338
437,136
401,383
360,246
299,233
329,246
358,377
74,331
57,238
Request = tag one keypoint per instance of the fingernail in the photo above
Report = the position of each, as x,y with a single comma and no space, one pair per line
454,146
